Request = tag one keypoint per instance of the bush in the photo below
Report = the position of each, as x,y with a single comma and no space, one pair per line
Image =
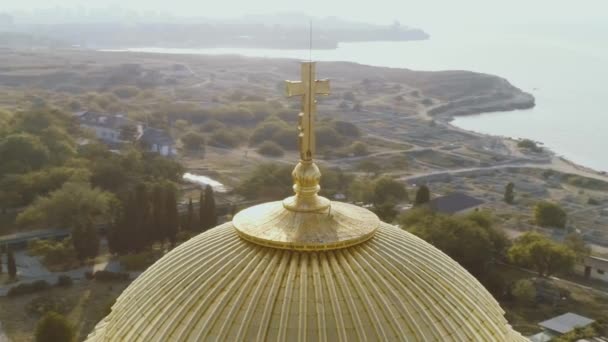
359,149
271,149
43,304
126,92
64,281
547,214
524,291
529,145
267,129
139,261
347,129
212,126
225,138
28,288
110,276
54,327
193,141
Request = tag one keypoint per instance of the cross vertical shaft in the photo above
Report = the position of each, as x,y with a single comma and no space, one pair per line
306,174
307,88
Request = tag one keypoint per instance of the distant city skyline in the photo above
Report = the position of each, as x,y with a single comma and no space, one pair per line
431,14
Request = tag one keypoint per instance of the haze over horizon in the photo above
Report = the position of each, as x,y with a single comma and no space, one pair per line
429,15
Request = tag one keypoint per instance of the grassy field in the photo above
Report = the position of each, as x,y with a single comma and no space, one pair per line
84,304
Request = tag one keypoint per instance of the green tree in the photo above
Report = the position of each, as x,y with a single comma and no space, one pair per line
542,254
271,149
208,215
193,141
576,243
74,204
547,214
578,334
172,216
524,291
201,210
267,182
509,193
86,241
128,132
369,167
190,216
423,195
386,211
470,239
22,153
159,213
359,149
54,327
142,218
388,189
11,265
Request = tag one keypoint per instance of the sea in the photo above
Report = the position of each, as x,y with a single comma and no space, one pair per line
565,70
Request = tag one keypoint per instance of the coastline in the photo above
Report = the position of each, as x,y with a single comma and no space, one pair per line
509,100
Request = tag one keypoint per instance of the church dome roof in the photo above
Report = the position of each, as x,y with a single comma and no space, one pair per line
218,286
305,269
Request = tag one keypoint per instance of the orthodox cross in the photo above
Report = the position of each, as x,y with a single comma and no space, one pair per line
308,88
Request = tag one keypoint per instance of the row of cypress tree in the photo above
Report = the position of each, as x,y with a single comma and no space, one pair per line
11,265
207,215
149,215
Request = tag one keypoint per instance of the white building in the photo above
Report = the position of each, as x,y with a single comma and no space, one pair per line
111,129
596,268
107,127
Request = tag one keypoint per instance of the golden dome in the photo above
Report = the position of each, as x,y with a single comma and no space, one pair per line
220,287
305,269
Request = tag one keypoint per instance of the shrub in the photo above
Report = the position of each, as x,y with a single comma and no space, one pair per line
524,291
270,148
43,304
287,138
54,327
267,129
126,92
347,129
212,126
193,141
139,261
225,138
529,145
359,149
64,281
547,214
110,276
28,288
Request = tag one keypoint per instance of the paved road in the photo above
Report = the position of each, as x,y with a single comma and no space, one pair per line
3,337
30,269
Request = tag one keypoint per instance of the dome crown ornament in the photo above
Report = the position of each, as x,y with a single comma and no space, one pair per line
306,221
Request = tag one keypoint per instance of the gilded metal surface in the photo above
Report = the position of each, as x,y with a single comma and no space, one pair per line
219,287
307,88
339,226
306,174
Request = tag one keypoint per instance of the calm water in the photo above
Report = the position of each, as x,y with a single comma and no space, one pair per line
566,72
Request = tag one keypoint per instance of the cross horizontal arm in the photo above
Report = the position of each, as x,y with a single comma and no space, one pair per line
322,87
294,88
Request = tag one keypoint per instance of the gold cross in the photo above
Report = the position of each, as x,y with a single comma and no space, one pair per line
307,88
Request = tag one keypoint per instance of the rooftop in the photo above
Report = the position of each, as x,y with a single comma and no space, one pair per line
454,202
112,121
565,323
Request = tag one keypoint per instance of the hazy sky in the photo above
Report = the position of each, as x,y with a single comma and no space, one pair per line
427,14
